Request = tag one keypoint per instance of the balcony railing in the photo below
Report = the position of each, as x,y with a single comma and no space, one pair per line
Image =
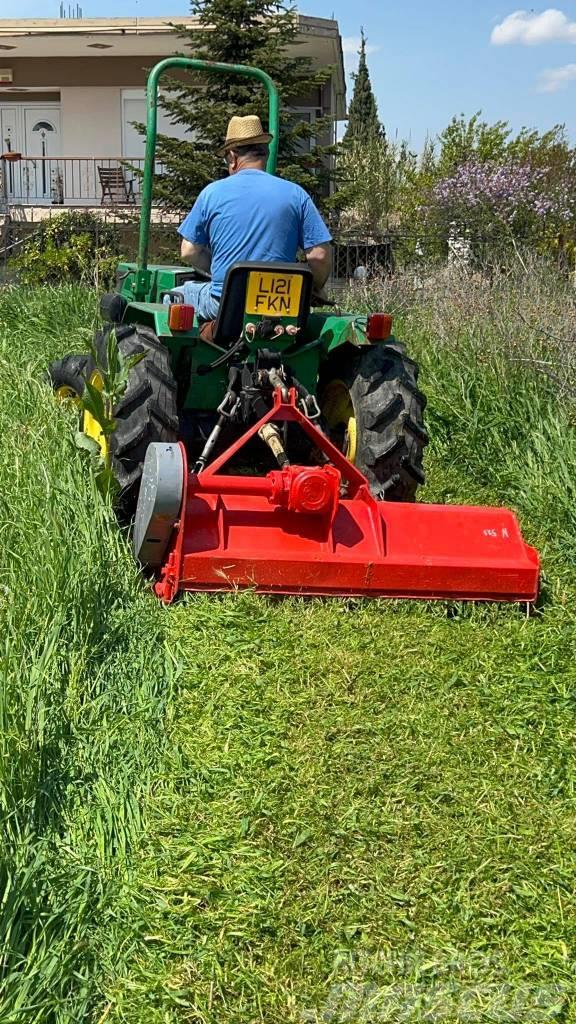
70,181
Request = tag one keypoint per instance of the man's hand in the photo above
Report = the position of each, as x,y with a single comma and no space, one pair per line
197,255
320,262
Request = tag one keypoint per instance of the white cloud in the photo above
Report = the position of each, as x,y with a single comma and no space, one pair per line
531,29
350,47
554,79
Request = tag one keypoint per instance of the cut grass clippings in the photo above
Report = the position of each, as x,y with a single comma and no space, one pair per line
242,809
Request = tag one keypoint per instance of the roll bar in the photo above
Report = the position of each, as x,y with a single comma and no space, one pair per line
143,275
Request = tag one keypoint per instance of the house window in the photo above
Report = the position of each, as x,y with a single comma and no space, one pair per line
43,126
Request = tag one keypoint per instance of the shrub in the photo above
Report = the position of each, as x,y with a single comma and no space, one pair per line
508,193
74,246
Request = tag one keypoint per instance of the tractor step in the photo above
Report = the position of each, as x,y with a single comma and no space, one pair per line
292,532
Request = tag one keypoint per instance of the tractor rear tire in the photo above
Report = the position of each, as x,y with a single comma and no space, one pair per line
382,431
146,412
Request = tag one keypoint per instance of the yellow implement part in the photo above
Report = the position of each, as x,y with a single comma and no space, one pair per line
90,426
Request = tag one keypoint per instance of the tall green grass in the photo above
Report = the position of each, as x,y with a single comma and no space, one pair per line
85,676
499,368
246,810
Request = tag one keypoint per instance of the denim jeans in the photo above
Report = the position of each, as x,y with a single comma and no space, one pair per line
198,294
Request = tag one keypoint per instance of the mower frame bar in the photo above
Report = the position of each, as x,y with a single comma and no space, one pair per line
142,281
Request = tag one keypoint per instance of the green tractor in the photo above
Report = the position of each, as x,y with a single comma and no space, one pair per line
202,383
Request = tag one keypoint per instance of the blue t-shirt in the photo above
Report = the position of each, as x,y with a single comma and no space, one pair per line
253,215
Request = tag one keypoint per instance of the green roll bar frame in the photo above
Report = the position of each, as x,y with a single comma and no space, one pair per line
142,279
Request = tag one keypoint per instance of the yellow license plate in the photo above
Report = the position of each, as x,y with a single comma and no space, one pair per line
271,294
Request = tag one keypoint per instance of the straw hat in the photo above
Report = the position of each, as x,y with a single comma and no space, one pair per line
243,131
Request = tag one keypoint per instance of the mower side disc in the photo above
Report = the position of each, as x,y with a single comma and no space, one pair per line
159,502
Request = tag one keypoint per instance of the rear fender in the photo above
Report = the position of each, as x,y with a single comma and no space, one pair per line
333,331
155,316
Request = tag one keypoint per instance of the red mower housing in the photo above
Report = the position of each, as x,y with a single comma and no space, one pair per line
319,531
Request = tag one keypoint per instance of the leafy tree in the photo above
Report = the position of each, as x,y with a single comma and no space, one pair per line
491,205
464,140
427,163
476,140
376,179
496,188
363,121
254,32
550,152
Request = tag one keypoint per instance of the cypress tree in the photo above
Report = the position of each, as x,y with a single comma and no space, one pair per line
254,32
363,121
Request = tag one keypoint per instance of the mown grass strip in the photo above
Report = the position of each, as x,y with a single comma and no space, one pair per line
367,809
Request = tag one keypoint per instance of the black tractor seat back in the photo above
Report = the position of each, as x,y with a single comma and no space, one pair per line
283,303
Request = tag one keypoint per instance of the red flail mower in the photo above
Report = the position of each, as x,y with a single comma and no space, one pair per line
317,530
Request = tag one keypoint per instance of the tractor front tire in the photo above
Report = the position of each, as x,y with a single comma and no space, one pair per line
66,377
374,412
146,412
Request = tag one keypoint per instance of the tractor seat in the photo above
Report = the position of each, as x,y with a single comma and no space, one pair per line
260,291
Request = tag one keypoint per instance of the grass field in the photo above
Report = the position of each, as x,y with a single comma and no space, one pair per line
241,810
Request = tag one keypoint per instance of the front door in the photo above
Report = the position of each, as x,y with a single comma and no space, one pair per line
43,172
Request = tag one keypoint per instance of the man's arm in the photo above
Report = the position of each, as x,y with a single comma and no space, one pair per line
319,259
197,255
315,240
195,247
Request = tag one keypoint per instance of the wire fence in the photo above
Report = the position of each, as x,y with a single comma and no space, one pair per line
355,259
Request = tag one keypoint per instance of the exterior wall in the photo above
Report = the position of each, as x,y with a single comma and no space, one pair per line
42,72
91,121
310,99
46,52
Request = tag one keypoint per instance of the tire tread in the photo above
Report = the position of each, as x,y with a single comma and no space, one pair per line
146,412
389,409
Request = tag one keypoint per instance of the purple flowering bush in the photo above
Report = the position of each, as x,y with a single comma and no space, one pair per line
491,201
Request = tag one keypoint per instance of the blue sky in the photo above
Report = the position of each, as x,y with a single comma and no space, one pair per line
429,61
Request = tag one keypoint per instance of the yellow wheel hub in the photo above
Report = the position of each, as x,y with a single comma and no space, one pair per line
65,393
90,426
338,411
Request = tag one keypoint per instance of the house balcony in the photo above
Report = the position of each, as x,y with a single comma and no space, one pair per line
40,187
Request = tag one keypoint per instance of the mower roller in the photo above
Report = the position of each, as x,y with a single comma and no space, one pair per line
278,448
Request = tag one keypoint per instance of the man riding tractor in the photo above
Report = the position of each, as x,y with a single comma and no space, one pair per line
250,215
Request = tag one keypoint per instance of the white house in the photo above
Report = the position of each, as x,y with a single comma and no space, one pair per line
70,91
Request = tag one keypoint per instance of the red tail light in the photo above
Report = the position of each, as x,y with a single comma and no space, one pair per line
379,327
180,317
